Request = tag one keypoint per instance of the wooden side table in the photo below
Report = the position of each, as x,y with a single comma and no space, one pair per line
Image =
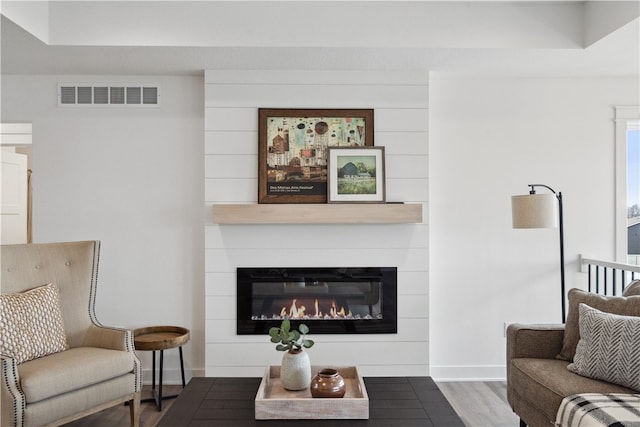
154,338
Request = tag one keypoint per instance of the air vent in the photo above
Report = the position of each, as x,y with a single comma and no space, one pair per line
118,94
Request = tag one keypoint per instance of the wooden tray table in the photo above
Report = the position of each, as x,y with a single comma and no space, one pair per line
273,402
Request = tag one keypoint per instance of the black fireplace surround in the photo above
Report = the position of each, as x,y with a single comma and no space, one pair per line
340,300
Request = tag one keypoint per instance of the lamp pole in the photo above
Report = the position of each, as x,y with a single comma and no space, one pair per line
561,228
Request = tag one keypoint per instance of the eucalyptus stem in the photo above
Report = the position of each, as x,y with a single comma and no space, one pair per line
288,339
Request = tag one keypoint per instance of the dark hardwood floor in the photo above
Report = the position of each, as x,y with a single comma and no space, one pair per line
478,403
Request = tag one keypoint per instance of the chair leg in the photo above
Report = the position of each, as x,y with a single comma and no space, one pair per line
134,409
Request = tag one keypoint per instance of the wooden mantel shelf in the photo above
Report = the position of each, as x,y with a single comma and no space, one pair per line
318,213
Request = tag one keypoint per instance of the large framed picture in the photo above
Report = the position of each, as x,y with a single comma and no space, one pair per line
356,175
293,146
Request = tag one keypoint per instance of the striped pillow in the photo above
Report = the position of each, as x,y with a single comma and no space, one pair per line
609,347
31,324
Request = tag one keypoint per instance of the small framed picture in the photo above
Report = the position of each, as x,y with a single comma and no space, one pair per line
356,175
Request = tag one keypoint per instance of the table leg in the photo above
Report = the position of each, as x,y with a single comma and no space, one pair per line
182,367
153,370
159,401
157,393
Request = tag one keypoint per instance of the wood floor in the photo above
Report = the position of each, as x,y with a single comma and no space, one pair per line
479,404
118,416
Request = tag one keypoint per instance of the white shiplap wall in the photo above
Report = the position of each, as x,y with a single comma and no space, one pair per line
400,103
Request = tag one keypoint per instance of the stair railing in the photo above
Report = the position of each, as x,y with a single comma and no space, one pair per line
608,278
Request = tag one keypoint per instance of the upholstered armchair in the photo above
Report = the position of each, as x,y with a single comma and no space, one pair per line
60,364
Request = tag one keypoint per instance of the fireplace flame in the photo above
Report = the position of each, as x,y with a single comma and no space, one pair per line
295,311
334,312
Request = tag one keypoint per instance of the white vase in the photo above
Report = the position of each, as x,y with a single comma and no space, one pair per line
295,372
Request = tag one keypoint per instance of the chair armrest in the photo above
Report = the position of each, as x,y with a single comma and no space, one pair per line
535,341
108,337
115,339
11,397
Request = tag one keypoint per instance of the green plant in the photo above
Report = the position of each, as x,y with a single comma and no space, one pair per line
290,339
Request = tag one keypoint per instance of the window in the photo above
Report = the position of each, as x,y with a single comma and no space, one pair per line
633,196
628,184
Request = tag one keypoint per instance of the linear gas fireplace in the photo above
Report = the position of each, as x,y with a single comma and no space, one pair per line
346,300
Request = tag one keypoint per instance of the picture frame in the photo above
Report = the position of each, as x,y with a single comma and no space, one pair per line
293,147
356,175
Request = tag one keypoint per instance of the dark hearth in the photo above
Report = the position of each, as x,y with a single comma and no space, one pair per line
346,300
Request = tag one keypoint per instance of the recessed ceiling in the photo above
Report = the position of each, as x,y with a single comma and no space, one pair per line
175,38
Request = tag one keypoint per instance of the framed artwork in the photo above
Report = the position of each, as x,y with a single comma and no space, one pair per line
356,175
293,147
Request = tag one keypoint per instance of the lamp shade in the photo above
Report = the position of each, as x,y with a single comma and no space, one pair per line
534,211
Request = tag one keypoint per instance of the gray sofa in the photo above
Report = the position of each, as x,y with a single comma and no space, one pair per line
538,355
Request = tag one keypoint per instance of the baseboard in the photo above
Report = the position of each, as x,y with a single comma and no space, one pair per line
438,373
468,373
171,376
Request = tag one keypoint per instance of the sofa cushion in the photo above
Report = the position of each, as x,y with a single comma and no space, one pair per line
543,383
31,323
609,347
71,370
625,306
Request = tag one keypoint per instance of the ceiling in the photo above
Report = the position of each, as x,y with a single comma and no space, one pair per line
532,38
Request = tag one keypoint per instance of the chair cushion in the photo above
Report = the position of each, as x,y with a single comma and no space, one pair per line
625,306
609,348
31,324
543,383
71,370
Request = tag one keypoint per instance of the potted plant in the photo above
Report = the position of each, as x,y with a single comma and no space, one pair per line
295,371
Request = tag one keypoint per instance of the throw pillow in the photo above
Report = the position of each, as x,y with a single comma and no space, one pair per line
609,348
31,324
632,288
625,306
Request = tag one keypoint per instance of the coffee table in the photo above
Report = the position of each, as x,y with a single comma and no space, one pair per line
393,402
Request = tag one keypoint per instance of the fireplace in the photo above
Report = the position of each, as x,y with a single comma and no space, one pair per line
344,300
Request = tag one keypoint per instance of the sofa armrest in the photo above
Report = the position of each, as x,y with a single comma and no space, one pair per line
108,337
11,397
535,341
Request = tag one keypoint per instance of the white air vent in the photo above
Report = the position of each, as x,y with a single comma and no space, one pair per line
116,94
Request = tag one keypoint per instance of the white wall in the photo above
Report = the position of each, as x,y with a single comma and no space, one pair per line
132,178
489,138
400,103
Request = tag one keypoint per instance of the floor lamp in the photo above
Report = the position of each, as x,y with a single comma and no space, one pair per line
541,211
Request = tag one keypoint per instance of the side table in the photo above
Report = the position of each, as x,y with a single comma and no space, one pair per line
154,338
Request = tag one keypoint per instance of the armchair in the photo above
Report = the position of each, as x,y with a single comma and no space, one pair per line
98,367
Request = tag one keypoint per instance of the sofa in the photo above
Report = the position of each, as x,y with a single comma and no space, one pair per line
539,358
58,363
